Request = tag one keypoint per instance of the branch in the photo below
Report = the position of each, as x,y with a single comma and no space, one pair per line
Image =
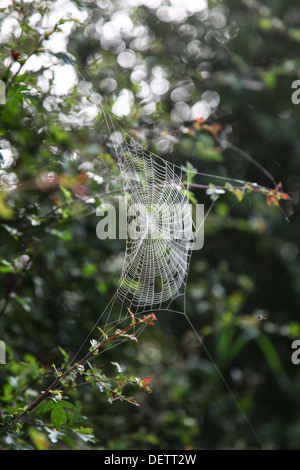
36,50
273,196
148,320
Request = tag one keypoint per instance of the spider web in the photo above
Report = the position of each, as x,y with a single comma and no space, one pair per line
161,232
157,253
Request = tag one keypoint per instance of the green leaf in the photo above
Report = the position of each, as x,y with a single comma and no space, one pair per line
190,195
264,23
65,357
25,302
12,231
39,439
295,34
6,212
85,434
6,267
211,154
58,374
190,171
58,416
65,404
294,329
46,406
271,355
239,194
63,235
66,193
269,79
89,269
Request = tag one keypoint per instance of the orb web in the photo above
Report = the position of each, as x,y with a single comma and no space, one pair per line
159,229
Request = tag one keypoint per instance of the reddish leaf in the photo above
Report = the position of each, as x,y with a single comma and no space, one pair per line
272,200
150,319
147,380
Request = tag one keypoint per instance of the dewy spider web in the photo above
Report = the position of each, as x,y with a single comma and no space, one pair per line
159,241
156,262
157,256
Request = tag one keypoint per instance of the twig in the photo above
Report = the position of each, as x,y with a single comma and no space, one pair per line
148,319
273,196
35,51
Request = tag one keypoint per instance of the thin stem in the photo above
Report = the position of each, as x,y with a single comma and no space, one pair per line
61,206
148,319
35,51
252,188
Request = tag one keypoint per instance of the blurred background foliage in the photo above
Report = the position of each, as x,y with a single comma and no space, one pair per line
157,65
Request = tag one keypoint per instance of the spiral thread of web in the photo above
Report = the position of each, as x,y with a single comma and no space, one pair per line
159,224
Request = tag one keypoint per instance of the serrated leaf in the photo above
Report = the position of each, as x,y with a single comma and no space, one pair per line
58,416
65,404
47,406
